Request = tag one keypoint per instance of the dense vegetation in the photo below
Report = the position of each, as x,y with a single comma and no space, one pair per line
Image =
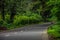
54,31
15,13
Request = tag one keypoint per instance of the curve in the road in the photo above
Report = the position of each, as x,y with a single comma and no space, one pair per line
32,32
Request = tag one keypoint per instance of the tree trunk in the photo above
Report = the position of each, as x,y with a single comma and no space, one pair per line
13,12
2,9
43,10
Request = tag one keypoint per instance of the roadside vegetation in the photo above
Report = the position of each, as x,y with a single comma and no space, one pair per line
54,31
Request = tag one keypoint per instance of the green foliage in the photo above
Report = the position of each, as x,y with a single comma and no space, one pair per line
7,18
27,19
1,21
9,26
54,30
53,18
29,12
54,10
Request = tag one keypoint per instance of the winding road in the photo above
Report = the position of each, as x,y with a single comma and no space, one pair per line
30,32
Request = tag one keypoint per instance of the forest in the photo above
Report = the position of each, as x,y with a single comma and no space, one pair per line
17,13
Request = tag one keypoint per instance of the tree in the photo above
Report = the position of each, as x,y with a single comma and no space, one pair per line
2,6
44,12
13,11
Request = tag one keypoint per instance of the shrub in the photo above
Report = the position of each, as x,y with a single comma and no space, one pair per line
54,31
35,18
27,19
1,21
53,18
8,25
20,19
7,18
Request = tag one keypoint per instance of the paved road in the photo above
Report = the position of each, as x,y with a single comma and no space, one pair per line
31,32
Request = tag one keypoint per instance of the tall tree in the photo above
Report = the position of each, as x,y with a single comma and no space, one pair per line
45,10
2,6
13,11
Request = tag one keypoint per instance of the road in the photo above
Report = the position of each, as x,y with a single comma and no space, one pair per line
31,32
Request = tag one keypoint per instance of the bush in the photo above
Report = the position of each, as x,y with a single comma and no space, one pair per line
35,18
53,18
20,19
6,23
1,21
54,31
26,19
7,18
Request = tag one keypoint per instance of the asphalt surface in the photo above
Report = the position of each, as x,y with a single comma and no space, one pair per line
31,32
